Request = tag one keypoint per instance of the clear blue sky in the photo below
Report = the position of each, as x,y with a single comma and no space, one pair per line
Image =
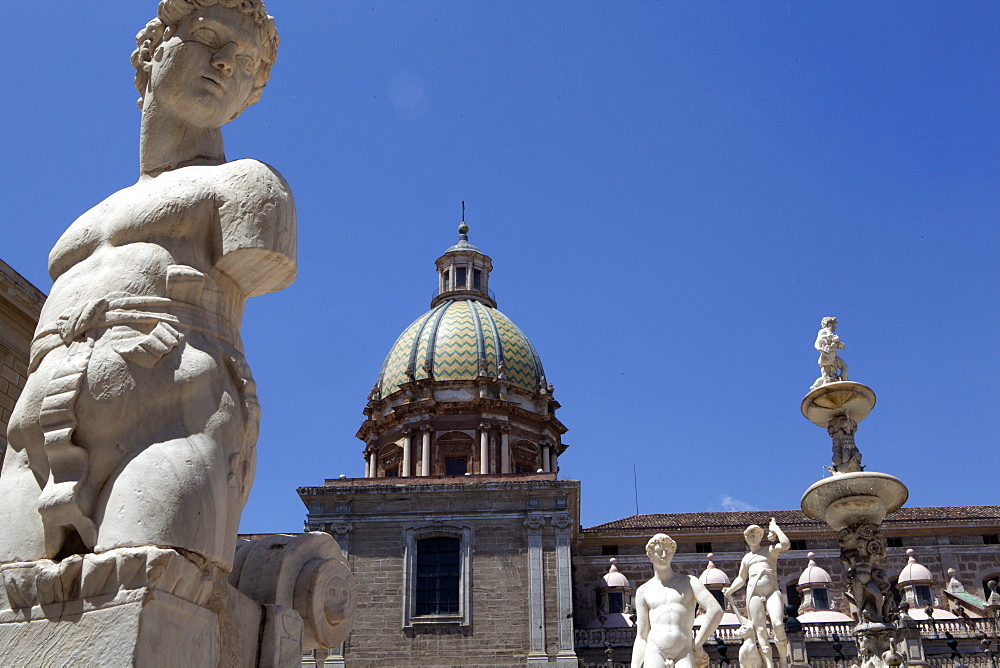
673,195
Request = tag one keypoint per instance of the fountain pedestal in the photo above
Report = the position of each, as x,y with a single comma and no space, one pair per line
854,502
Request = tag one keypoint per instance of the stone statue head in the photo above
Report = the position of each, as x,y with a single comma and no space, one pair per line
661,547
171,13
754,533
829,322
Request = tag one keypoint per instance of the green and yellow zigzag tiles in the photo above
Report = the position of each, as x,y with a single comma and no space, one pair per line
455,354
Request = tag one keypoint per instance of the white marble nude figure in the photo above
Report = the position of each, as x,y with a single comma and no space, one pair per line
831,367
758,571
138,422
665,610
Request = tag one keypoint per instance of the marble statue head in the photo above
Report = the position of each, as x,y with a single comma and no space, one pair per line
661,547
754,533
174,16
829,322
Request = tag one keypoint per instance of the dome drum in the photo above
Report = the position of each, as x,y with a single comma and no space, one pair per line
462,390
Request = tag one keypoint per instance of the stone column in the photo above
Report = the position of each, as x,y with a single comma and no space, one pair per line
407,447
425,451
536,592
564,591
505,448
368,465
554,466
373,462
546,463
484,448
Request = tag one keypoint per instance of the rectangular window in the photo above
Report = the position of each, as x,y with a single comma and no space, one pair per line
821,599
702,548
616,602
438,571
798,545
477,278
392,473
991,539
446,281
894,541
455,466
609,550
923,595
460,277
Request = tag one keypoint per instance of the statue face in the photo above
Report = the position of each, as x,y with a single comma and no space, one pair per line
205,71
660,553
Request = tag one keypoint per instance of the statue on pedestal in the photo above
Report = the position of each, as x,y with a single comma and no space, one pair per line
764,599
665,611
831,367
138,421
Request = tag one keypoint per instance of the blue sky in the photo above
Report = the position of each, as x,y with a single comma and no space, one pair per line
673,195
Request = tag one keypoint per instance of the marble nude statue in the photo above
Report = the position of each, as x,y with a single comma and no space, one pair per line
832,368
764,600
665,611
138,422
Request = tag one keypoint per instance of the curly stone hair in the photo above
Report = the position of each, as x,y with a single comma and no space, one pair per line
169,14
661,539
826,322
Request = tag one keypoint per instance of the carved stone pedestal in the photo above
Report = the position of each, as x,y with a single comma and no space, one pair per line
798,657
149,606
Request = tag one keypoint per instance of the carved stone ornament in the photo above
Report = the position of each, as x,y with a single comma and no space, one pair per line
846,456
534,523
867,587
562,522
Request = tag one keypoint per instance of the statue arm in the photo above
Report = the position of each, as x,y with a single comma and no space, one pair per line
783,542
713,612
257,229
739,581
641,629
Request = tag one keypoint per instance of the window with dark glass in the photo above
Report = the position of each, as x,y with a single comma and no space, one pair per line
609,550
894,541
703,548
447,281
438,571
616,602
821,599
477,277
798,545
460,277
923,595
392,473
991,539
454,466
792,596
521,468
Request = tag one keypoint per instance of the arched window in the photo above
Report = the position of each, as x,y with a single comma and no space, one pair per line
524,457
390,460
455,453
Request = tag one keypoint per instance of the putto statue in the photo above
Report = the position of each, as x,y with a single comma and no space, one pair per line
764,600
665,611
831,367
138,422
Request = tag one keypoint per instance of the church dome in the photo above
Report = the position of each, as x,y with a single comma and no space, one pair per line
462,339
913,572
814,575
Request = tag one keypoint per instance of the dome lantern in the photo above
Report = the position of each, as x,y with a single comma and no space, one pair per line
464,271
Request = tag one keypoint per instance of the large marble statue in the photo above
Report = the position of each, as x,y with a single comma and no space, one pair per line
665,612
138,422
832,368
758,571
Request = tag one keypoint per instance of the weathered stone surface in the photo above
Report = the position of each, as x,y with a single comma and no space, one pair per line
137,371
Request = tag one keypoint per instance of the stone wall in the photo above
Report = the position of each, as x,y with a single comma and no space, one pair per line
371,518
20,305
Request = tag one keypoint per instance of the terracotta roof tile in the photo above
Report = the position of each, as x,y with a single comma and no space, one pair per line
713,520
